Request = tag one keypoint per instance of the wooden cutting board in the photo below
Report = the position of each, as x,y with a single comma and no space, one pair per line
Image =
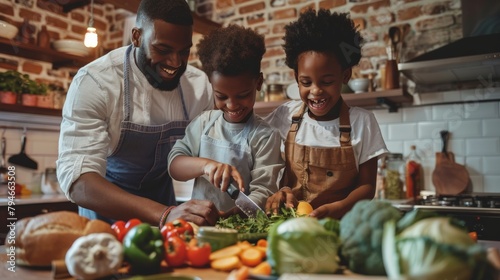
449,177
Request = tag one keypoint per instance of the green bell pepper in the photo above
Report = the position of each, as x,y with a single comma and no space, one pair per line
143,249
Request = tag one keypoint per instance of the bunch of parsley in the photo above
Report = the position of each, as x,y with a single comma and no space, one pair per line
260,224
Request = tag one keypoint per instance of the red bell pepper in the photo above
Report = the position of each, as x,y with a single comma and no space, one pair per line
198,254
121,228
178,227
175,251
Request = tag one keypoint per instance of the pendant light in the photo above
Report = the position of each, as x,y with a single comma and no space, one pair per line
91,35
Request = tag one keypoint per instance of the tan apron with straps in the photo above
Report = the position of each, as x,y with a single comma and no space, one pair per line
320,175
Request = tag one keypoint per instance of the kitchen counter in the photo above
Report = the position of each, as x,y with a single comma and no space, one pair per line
35,199
26,273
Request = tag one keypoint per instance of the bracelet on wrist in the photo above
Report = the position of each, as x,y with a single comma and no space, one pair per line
164,215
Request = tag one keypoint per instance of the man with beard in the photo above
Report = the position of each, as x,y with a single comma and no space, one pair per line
122,115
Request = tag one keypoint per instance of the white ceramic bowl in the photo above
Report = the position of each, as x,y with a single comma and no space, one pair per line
70,46
7,30
359,85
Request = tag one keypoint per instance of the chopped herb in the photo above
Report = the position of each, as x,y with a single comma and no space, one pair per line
260,224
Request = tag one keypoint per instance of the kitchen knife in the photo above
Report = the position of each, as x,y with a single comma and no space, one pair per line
243,202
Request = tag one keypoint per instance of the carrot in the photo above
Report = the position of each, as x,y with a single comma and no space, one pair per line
262,249
226,264
262,243
233,250
244,244
473,235
264,268
251,256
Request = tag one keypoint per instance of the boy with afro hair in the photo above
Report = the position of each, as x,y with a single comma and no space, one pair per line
331,150
230,143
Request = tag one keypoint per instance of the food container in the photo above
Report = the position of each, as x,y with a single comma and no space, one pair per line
7,30
218,238
394,176
73,47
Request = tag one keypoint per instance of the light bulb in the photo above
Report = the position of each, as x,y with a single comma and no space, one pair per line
90,38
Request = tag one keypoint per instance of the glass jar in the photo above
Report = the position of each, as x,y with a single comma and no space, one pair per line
218,238
414,174
275,92
394,176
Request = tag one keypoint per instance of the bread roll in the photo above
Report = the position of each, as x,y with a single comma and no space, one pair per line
47,237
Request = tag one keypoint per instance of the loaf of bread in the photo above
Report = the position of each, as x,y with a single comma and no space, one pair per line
41,239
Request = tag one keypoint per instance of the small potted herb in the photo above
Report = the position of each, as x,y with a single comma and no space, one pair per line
44,100
10,86
29,89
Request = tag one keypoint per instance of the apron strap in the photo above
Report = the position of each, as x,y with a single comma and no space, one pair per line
344,125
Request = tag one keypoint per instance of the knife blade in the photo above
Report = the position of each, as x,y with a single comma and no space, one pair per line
242,201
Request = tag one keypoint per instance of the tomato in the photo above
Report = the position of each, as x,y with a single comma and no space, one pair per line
175,251
198,255
181,225
121,228
132,223
178,227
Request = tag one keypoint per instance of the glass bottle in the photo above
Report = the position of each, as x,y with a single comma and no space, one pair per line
394,176
413,174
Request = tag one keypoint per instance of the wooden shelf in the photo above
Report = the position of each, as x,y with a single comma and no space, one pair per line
390,99
30,51
29,110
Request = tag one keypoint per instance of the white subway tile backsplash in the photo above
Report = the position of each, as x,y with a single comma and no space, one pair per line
383,116
482,147
431,129
491,127
407,131
449,113
491,165
477,183
416,114
394,146
474,165
481,110
467,129
491,183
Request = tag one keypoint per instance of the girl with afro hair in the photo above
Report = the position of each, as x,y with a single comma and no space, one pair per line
331,150
230,143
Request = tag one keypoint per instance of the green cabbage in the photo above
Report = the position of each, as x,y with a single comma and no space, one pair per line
302,245
432,248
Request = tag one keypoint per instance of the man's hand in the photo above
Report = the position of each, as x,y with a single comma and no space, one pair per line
283,198
200,212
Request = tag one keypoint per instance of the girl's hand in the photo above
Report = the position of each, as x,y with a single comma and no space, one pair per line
284,197
221,174
331,210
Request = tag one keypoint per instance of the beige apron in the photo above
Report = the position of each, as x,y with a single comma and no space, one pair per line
320,175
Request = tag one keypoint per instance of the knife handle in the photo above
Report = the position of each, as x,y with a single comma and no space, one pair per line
233,191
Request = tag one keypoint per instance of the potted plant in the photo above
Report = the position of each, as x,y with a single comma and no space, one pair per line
44,100
29,89
10,86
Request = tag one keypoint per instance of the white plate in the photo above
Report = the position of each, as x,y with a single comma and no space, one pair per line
70,46
76,52
292,91
7,30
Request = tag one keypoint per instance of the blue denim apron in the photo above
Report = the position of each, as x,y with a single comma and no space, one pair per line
236,153
139,163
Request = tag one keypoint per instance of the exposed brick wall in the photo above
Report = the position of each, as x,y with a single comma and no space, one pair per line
60,25
428,25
